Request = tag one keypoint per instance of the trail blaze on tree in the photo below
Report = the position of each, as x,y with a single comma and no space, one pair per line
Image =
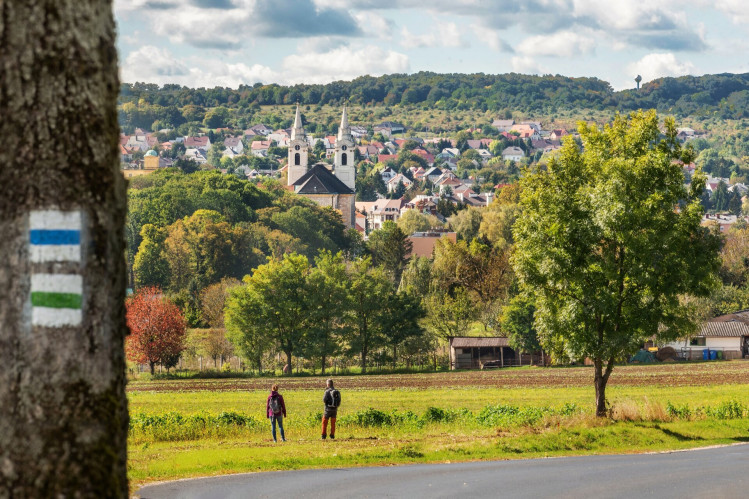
157,328
610,243
63,411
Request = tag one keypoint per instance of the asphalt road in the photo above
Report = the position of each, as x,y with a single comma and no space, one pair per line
714,473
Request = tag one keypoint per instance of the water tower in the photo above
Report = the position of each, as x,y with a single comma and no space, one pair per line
638,80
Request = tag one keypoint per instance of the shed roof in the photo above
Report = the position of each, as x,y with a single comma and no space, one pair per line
724,329
469,342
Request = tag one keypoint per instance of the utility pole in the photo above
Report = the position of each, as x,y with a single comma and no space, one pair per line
63,411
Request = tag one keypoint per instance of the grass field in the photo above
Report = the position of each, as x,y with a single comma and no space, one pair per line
183,428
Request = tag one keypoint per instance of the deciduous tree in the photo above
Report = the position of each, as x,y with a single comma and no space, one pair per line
610,240
157,328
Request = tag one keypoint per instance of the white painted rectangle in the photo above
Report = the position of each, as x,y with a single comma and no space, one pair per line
55,317
55,220
57,283
55,253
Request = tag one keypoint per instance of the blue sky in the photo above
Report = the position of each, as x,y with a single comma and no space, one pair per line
206,43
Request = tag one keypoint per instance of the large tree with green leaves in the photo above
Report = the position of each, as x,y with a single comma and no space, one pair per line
390,248
610,241
328,285
273,304
369,288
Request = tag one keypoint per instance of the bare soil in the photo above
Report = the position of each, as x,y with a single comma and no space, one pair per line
663,375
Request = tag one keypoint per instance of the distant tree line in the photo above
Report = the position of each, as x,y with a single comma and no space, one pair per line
149,106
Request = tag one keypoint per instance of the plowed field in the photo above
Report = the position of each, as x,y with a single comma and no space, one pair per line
658,375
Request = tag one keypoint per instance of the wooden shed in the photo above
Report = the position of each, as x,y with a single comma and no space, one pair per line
474,352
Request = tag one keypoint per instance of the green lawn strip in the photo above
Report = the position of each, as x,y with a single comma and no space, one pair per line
437,443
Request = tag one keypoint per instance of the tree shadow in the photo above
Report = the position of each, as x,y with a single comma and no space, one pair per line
678,436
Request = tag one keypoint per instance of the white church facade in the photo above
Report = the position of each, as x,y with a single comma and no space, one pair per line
336,188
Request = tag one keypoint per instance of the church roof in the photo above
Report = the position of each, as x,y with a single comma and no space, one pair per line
319,180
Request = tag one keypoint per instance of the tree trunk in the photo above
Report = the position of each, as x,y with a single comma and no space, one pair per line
322,365
394,352
152,365
63,411
364,360
600,381
288,362
259,365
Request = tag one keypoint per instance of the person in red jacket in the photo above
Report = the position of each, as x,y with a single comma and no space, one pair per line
276,411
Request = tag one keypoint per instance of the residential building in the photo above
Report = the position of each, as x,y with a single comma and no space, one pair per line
513,153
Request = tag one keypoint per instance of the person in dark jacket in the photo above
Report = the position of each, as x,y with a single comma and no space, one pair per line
331,409
275,409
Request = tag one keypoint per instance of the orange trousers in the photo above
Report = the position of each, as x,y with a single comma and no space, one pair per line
325,426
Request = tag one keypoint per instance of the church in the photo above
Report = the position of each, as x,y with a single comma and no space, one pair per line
336,188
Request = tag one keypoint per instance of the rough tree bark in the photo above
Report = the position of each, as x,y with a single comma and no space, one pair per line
63,412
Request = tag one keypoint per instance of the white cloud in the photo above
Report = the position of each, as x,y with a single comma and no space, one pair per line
562,44
374,25
343,63
490,36
439,35
657,65
735,9
153,65
525,65
152,62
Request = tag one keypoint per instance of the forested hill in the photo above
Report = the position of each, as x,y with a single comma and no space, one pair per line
726,94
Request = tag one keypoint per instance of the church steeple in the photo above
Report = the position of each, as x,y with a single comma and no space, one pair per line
344,130
344,153
298,130
298,151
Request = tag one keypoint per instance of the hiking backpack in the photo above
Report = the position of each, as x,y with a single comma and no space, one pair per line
275,405
335,397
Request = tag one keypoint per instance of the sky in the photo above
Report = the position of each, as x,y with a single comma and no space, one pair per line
208,43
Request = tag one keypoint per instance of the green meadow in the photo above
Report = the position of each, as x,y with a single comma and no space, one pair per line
180,430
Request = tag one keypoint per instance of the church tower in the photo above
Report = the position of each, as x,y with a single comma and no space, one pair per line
344,154
298,150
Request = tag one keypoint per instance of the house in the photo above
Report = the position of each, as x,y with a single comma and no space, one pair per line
380,211
526,131
727,334
137,142
423,153
126,155
475,144
235,145
558,133
545,145
503,125
448,183
387,173
260,148
422,243
485,154
450,152
197,155
392,184
481,352
388,128
433,174
533,124
203,143
358,131
513,153
368,150
384,158
257,130
281,137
